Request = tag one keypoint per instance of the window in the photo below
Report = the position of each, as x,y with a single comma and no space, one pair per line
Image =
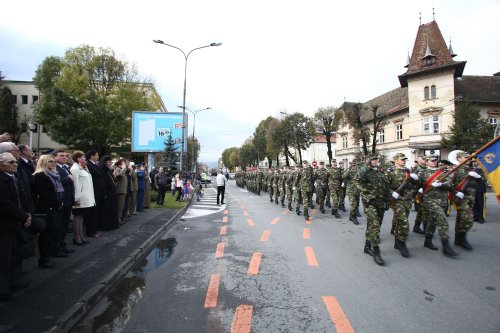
426,92
433,91
35,99
493,121
24,99
381,136
399,132
344,141
431,124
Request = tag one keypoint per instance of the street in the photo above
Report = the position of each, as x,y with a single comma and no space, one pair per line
251,265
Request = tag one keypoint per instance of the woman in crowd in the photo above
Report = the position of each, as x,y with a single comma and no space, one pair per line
178,186
121,181
49,193
108,217
84,195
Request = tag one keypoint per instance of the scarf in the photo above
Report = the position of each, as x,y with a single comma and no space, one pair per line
56,180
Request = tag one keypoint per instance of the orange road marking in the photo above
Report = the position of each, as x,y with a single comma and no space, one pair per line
212,291
265,235
306,234
223,230
309,220
253,268
285,212
245,213
339,319
225,219
275,220
242,319
220,250
226,212
250,222
311,258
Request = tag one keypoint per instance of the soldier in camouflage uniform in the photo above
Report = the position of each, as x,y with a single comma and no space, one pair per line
464,181
321,182
400,183
276,187
289,187
334,182
352,191
281,185
258,181
306,186
327,192
342,191
270,184
375,195
297,193
432,213
421,165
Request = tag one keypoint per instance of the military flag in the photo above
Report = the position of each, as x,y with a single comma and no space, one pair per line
489,159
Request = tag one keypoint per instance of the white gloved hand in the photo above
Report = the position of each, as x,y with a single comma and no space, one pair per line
460,195
420,190
414,176
474,174
294,188
395,195
436,184
343,185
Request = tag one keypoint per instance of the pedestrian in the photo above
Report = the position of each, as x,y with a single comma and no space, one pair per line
221,187
179,184
161,181
375,197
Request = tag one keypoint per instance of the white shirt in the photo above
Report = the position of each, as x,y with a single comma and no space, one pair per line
221,180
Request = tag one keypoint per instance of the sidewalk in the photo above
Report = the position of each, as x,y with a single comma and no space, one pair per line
78,281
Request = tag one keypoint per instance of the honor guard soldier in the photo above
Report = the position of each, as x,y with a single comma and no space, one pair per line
306,186
334,183
375,195
297,193
321,182
352,190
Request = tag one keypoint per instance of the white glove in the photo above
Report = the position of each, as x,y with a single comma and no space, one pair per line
420,190
474,174
414,176
460,195
343,185
395,195
294,188
436,184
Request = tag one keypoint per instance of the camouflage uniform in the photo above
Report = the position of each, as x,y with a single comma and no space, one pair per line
281,186
276,188
270,184
352,191
289,188
306,187
321,182
258,181
334,182
297,193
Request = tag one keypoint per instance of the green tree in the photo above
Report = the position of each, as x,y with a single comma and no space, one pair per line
469,131
234,159
193,151
259,138
170,158
88,98
248,154
326,121
273,141
8,114
226,154
297,131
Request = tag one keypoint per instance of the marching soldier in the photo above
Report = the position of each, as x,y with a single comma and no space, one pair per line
297,193
289,187
334,182
421,165
281,186
342,190
352,190
321,182
375,194
400,182
258,181
430,209
306,186
270,184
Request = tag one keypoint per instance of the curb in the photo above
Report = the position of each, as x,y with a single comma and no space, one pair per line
69,319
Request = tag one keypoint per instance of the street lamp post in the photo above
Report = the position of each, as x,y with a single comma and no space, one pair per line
157,41
194,124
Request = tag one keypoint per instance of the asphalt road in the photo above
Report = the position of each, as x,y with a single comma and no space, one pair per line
253,266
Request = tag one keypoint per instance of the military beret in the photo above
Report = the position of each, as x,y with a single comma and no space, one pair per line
321,163
400,156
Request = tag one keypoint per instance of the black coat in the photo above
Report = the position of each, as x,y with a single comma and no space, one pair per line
46,194
68,185
98,181
12,216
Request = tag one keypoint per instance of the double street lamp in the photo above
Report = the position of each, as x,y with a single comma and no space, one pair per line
157,41
194,125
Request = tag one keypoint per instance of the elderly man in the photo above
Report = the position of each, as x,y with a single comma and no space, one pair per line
14,215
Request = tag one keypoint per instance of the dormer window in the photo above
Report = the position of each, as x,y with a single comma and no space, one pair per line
430,93
426,92
433,92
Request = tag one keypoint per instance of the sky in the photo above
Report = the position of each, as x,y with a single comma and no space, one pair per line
276,56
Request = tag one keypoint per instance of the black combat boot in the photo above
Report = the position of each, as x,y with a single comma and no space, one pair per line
447,250
283,204
322,209
353,218
376,256
271,199
335,212
428,243
461,240
358,214
312,205
306,214
392,229
297,210
368,248
342,207
290,206
276,201
401,246
327,204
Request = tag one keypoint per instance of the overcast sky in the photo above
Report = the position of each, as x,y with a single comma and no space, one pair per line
292,56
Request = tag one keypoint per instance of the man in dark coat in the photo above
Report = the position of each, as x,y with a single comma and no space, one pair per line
61,158
100,194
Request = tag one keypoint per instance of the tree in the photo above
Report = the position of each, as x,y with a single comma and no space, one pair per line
469,131
8,114
226,157
88,97
273,146
247,154
170,158
326,121
302,132
259,139
234,159
193,151
378,119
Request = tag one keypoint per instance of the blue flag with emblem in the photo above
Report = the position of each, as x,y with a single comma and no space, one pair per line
489,159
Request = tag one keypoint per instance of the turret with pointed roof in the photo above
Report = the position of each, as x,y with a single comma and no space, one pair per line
430,54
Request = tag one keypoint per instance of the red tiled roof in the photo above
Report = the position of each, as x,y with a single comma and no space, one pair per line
322,139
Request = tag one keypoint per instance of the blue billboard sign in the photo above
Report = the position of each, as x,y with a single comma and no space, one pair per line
151,129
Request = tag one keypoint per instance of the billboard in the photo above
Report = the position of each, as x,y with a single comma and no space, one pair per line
151,129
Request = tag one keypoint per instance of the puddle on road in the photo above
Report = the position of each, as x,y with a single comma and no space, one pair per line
113,312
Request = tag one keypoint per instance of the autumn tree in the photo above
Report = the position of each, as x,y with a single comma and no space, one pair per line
326,121
259,138
193,151
88,97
